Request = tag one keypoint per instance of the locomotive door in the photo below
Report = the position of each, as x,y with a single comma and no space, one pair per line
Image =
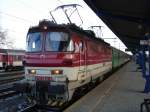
82,70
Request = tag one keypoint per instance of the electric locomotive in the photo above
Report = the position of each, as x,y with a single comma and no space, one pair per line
62,58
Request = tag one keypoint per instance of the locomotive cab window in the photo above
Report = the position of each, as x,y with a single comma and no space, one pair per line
59,42
34,42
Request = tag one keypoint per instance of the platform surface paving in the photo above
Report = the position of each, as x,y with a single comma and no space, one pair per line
121,92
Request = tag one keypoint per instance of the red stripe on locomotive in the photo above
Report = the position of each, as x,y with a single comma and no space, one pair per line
93,52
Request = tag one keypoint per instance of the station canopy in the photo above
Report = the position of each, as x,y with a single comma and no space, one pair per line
128,19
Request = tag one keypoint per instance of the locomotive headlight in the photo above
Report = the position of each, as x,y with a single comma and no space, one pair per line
32,71
44,27
57,72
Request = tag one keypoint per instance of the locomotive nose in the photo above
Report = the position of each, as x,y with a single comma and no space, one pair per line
67,62
68,59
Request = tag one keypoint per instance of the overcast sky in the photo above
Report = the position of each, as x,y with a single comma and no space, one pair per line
16,16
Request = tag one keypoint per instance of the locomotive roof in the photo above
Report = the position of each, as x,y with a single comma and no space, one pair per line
86,32
66,27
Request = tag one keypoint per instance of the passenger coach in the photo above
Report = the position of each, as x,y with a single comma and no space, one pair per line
11,59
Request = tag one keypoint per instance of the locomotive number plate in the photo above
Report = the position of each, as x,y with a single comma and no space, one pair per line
41,78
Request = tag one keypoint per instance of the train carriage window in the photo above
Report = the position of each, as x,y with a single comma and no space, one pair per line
59,42
34,42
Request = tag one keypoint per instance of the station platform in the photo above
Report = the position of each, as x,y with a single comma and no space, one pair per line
121,92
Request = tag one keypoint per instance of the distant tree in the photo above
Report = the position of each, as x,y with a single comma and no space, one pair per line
5,41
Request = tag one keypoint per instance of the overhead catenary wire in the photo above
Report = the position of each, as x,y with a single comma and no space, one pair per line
31,7
60,1
16,17
14,31
36,10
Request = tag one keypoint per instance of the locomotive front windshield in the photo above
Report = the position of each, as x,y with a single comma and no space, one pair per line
34,42
54,42
58,41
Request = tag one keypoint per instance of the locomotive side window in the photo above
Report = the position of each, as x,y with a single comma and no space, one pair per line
81,45
76,47
58,41
70,46
34,42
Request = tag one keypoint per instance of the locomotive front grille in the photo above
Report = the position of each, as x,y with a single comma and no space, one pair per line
56,89
42,86
50,87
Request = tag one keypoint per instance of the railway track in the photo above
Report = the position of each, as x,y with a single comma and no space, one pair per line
12,70
3,74
38,108
6,93
30,108
7,79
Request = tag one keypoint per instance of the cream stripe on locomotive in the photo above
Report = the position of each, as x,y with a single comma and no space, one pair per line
74,73
93,71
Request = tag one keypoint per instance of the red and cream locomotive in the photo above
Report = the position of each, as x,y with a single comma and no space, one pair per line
62,58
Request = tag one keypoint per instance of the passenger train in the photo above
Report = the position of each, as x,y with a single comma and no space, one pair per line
61,58
11,59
